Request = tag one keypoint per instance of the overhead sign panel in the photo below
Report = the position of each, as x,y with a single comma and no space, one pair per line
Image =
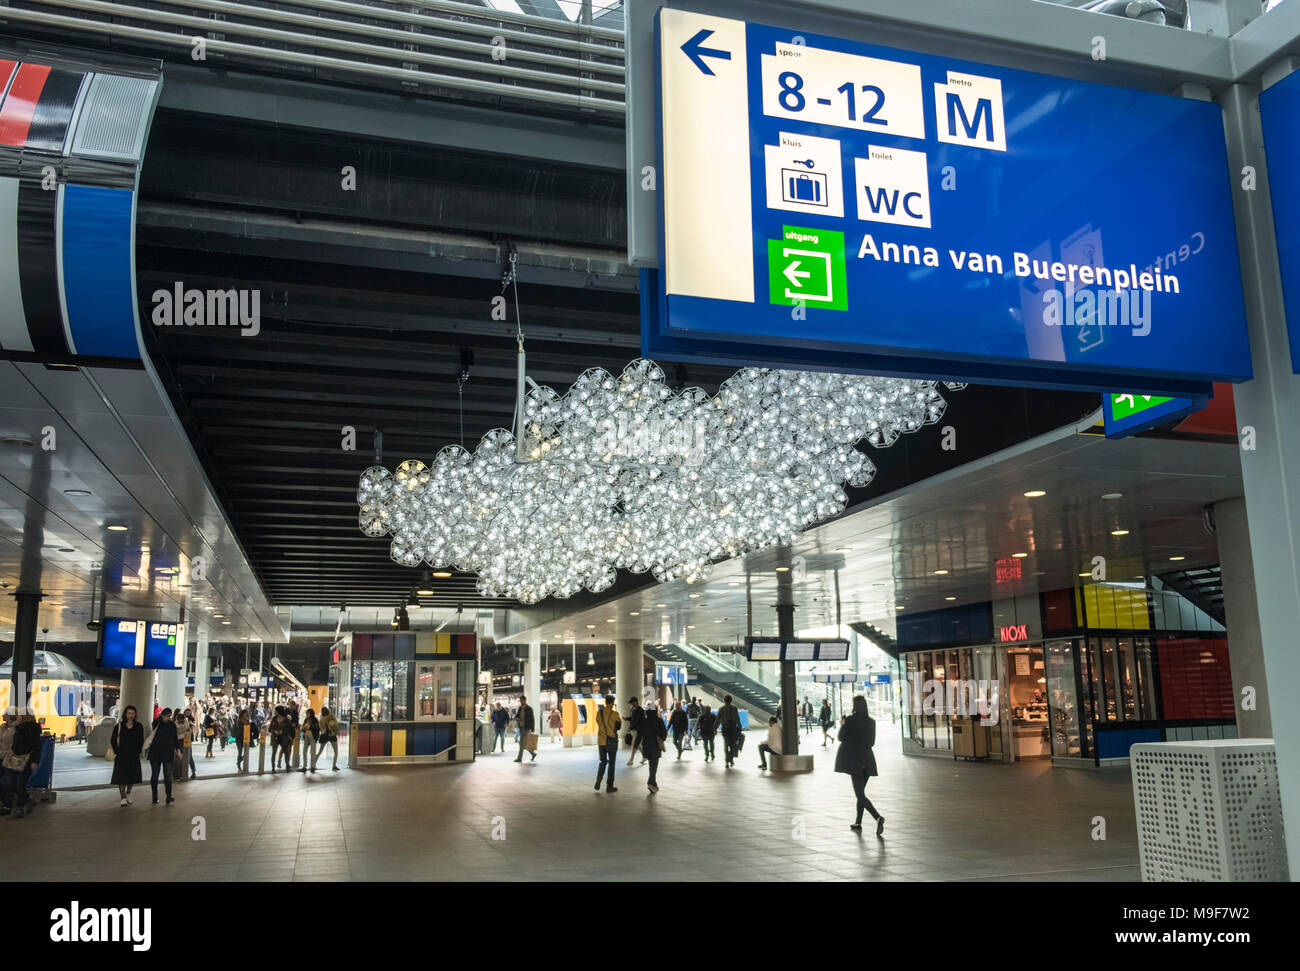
796,649
829,203
141,644
1127,414
1279,108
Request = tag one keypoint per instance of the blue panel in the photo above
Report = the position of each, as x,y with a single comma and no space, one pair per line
1092,176
1160,414
98,285
1279,109
422,741
65,699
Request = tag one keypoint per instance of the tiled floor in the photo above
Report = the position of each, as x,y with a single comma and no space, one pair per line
945,821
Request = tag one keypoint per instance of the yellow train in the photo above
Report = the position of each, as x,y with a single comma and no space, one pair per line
58,687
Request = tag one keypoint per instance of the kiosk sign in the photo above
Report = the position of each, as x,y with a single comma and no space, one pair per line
829,203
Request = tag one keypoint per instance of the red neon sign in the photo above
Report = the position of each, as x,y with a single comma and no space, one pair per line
1007,569
1016,632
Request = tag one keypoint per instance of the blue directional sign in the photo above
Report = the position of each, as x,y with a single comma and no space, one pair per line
1128,414
832,204
1279,108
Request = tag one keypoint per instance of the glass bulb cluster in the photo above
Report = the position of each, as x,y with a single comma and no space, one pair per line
624,472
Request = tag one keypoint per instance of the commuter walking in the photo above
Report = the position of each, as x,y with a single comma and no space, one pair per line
680,724
185,731
556,722
310,730
827,720
708,727
85,720
164,747
729,725
20,762
499,718
244,721
653,739
635,719
275,735
855,758
607,728
127,742
526,725
807,712
693,719
210,725
329,735
773,743
223,726
7,726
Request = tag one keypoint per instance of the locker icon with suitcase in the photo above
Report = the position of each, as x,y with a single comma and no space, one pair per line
806,188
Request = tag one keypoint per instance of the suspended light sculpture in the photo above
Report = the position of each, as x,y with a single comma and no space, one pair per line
623,472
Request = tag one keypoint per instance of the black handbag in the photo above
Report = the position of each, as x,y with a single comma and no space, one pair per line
627,739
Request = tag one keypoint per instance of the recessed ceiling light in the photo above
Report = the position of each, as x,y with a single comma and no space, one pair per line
225,623
1177,558
76,492
899,607
733,583
1019,556
441,574
634,613
611,620
940,573
591,627
782,569
1112,495
717,622
694,596
949,598
116,528
690,627
1085,574
844,549
661,605
1035,494
218,616
1119,532
424,593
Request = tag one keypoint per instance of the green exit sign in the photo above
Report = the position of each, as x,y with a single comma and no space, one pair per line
1125,405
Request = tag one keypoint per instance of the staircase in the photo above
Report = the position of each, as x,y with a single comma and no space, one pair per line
721,675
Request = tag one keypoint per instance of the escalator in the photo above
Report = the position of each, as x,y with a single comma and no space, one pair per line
718,676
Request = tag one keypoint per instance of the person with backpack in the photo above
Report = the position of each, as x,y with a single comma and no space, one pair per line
635,719
855,758
21,761
329,735
729,725
680,724
653,738
607,727
127,743
827,720
164,748
693,719
708,728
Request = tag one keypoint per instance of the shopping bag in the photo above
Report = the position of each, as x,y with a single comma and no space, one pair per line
530,741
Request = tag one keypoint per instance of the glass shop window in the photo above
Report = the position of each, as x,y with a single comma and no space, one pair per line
1063,700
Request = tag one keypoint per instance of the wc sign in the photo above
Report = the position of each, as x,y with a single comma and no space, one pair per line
1016,632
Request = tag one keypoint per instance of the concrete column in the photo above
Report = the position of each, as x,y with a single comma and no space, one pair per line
532,686
1266,407
629,672
171,689
24,661
137,689
1241,612
202,665
789,692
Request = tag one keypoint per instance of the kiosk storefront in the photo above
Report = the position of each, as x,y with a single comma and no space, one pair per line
1099,668
406,697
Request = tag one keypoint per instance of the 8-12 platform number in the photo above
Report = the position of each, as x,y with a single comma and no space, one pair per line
792,98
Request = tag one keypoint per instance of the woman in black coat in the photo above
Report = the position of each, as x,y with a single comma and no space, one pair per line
855,758
653,734
127,742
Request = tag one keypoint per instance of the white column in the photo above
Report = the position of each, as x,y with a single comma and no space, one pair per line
1241,617
202,665
629,672
171,689
533,679
137,689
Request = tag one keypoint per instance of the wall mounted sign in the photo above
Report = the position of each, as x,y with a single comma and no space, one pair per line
832,204
1279,108
796,649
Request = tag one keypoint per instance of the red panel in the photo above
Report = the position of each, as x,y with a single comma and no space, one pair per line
370,741
1058,610
1195,680
6,69
1217,418
465,645
20,105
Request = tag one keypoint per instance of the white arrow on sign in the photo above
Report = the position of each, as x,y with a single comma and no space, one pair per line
793,274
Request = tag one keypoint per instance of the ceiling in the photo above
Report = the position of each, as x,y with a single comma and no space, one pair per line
937,544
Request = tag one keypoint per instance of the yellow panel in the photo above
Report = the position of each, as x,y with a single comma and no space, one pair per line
399,741
444,643
424,642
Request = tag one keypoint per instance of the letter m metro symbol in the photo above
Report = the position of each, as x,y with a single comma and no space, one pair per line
983,112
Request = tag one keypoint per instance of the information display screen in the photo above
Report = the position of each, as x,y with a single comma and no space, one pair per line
164,646
670,674
832,650
800,652
765,651
121,643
